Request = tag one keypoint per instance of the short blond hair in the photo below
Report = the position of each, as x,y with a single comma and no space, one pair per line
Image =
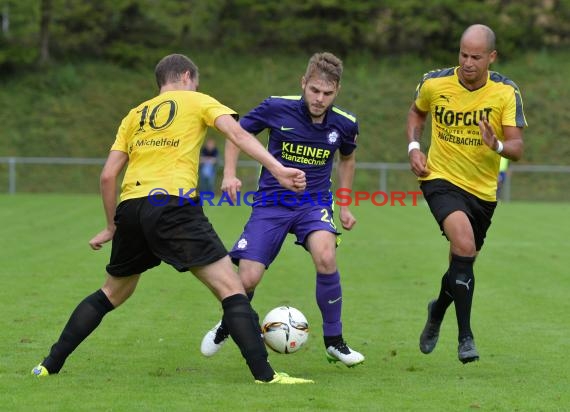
325,65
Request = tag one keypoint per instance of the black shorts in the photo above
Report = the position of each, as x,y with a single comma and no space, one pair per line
177,233
445,198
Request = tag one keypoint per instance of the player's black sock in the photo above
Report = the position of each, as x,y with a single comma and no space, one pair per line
463,286
223,331
332,340
243,324
84,319
444,299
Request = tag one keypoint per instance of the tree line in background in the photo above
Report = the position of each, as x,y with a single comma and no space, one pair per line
131,32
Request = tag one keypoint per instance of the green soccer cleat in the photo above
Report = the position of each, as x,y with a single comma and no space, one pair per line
284,379
40,371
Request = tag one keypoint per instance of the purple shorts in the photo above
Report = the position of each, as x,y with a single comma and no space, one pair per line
267,227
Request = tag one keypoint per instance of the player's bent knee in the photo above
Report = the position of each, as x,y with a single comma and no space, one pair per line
325,262
464,249
119,289
250,282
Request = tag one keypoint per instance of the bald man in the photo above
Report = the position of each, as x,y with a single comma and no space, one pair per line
477,118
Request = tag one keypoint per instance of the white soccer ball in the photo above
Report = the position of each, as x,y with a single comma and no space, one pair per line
285,329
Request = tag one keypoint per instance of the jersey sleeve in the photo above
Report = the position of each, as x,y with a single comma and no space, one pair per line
212,109
256,120
121,143
422,95
348,143
513,114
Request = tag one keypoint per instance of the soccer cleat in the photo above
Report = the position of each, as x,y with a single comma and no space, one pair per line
284,379
213,340
466,351
342,353
40,371
430,334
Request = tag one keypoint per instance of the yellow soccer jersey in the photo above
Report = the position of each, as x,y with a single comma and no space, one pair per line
162,138
457,152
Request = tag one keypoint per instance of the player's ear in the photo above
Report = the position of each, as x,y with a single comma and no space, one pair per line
492,56
303,82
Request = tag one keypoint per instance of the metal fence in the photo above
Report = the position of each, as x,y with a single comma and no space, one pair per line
382,176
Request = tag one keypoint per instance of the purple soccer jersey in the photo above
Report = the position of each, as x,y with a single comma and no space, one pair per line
297,142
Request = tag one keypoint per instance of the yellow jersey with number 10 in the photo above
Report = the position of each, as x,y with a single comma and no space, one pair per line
457,152
162,138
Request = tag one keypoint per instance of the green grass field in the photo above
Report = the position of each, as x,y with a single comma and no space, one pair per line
145,356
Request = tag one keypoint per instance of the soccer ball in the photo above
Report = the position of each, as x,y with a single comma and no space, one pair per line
285,329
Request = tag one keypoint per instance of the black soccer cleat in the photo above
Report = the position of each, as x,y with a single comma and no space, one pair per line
430,334
466,351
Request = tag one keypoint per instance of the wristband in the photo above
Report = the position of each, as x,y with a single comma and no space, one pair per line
413,145
500,146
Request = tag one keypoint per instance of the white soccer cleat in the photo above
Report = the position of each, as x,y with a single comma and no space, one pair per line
213,340
342,353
